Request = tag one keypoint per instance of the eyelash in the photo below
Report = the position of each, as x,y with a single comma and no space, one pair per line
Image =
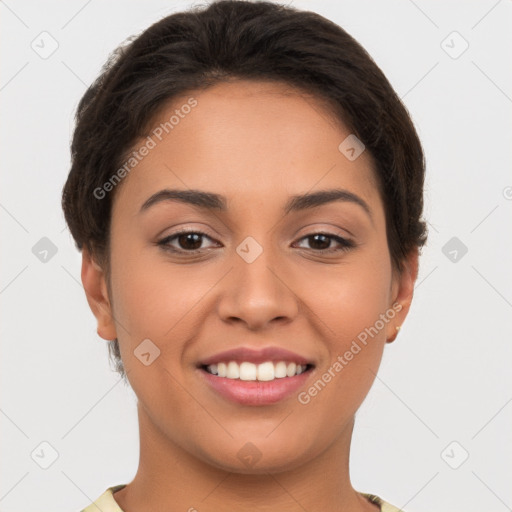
344,243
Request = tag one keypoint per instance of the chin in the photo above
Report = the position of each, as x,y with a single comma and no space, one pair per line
253,458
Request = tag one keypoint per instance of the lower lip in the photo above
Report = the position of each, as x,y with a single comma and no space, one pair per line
256,392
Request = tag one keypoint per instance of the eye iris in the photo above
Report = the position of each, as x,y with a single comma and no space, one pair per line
315,238
187,237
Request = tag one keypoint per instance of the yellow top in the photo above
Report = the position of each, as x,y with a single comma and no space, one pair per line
107,503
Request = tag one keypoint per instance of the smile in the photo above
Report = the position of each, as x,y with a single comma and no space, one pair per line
255,376
247,371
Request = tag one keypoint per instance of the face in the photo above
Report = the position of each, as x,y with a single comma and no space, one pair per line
258,270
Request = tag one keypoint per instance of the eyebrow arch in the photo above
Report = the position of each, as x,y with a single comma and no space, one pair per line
212,201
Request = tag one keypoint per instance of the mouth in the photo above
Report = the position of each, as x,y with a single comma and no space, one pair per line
251,372
255,377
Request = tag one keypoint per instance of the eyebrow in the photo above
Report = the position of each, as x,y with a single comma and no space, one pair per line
212,201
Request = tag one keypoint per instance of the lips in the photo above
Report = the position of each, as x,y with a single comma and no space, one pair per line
250,388
255,393
256,356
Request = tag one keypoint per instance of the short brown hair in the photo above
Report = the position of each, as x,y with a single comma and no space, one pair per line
239,39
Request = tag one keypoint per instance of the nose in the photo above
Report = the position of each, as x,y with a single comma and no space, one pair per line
257,294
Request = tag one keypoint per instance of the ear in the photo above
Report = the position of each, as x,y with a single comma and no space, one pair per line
95,286
402,293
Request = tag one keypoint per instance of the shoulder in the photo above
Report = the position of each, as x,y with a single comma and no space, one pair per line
106,502
384,505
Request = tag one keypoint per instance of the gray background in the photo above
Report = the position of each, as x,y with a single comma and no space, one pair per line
447,377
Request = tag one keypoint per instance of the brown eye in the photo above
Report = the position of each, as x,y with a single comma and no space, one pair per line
321,242
192,241
187,241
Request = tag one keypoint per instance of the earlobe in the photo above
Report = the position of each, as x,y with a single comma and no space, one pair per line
94,282
403,294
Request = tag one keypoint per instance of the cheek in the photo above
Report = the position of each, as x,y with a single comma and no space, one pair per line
160,301
351,305
153,302
351,298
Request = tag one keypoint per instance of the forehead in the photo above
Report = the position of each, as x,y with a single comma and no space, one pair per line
250,141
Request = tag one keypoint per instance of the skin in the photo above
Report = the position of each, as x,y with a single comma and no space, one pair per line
256,143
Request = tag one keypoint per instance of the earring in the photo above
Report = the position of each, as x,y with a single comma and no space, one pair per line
393,338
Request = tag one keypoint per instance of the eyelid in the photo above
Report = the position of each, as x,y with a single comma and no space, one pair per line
164,242
326,229
344,243
188,229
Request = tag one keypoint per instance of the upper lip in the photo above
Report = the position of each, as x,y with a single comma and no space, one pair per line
256,356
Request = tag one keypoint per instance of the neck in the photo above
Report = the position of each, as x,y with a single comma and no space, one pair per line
169,478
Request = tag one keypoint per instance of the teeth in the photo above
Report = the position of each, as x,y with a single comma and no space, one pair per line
233,371
280,370
249,371
265,371
291,369
221,369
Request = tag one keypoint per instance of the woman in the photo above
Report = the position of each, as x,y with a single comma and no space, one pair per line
246,190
